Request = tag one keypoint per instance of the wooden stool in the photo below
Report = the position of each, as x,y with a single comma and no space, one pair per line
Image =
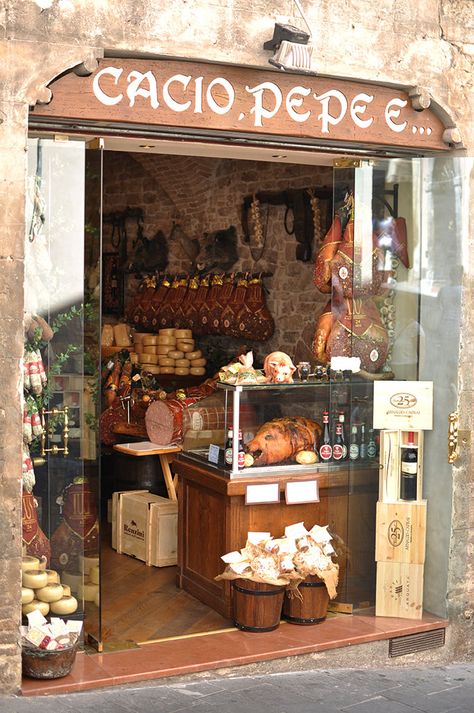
147,448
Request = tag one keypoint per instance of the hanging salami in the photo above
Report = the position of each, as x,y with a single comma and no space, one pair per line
254,320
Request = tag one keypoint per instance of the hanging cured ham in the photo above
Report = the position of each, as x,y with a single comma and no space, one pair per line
357,270
222,299
322,266
211,305
254,317
158,302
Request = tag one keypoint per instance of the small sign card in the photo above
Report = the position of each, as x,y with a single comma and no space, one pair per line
213,454
262,493
403,405
301,491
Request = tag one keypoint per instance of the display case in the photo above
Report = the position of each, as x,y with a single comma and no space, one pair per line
281,427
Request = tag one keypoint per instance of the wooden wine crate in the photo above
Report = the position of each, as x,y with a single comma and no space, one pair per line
116,512
399,590
391,446
146,527
400,534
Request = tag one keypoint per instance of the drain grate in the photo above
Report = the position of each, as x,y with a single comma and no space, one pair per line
410,644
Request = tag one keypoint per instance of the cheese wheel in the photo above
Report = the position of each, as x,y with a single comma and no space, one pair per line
150,359
29,562
66,590
175,355
35,578
163,349
152,368
197,371
88,591
183,363
150,350
166,361
35,605
94,574
140,336
181,371
185,347
50,593
166,340
97,599
66,605
198,362
168,332
42,563
87,562
194,355
166,370
27,595
72,579
53,576
183,334
150,341
186,341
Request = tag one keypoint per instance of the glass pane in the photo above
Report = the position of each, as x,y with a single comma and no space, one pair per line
59,406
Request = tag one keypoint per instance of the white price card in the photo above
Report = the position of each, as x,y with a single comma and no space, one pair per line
301,491
213,454
403,405
262,493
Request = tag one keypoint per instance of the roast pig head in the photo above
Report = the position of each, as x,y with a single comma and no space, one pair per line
218,250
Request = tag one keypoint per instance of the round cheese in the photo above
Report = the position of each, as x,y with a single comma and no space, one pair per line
181,371
29,562
152,368
166,370
35,578
50,593
27,595
66,605
198,362
53,576
168,332
165,339
194,355
197,371
94,574
175,355
35,605
72,579
66,590
150,359
97,599
87,591
185,347
166,361
163,349
43,562
183,363
150,341
87,562
183,334
140,336
149,350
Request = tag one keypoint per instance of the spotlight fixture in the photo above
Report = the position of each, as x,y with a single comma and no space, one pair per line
287,33
290,45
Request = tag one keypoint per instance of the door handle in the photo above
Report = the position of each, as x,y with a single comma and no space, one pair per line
54,450
453,420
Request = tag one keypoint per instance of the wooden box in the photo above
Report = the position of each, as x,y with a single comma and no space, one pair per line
116,512
146,527
399,590
391,446
401,532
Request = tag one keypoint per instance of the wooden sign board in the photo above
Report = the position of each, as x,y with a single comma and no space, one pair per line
401,532
403,405
202,96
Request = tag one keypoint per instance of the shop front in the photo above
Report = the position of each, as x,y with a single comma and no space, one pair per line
251,287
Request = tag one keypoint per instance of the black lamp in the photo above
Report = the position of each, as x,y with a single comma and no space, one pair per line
288,33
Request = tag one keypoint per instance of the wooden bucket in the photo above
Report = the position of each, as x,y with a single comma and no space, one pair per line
257,606
311,607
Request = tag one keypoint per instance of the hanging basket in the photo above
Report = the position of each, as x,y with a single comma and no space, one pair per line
257,606
311,606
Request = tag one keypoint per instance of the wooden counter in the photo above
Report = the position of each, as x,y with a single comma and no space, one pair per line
214,519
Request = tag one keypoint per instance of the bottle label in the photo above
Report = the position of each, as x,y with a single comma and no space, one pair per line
241,459
371,450
228,456
344,451
354,451
409,468
325,451
337,451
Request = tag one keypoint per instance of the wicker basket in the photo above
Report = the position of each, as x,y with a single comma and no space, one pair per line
40,663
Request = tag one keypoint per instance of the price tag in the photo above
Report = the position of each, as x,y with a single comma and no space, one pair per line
213,454
264,493
301,491
403,405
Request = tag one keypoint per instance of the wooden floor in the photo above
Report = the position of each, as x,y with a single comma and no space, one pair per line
141,604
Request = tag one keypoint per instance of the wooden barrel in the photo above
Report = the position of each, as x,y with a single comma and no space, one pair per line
311,607
257,606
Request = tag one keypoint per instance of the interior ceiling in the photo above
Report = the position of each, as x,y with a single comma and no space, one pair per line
215,150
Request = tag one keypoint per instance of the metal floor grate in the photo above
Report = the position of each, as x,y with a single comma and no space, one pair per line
410,644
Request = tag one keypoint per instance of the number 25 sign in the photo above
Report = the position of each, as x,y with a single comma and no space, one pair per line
403,405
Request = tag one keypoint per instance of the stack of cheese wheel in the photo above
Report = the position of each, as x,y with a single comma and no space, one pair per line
171,351
138,338
88,589
42,590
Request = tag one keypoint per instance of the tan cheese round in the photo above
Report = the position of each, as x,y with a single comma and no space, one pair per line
175,355
182,363
197,362
181,371
150,359
72,579
150,341
166,361
66,605
194,355
94,574
150,350
185,347
35,605
97,599
29,562
183,334
163,340
140,336
87,562
152,369
50,593
27,595
163,350
168,332
166,369
66,590
53,576
197,371
35,578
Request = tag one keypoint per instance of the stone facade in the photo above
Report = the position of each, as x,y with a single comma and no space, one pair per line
429,44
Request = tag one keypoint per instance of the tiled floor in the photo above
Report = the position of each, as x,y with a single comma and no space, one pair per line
227,648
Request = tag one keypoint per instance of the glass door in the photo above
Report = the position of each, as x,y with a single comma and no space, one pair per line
395,278
62,303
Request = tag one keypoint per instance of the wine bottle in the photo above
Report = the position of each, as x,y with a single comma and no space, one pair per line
241,452
325,449
409,470
362,443
354,444
371,445
343,436
229,447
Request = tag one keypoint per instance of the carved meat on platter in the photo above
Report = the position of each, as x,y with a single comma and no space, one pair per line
282,439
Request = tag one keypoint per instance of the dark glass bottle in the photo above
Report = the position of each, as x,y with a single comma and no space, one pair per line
241,452
343,436
354,444
325,449
338,446
371,445
362,443
409,470
229,447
